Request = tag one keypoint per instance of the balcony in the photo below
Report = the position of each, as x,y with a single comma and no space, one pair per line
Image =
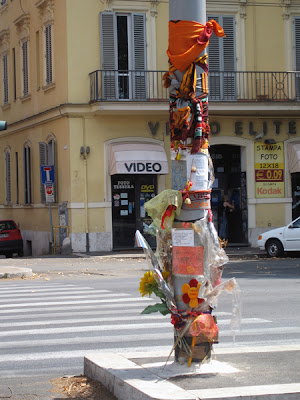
229,87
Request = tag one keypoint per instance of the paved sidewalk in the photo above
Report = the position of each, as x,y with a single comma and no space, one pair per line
97,262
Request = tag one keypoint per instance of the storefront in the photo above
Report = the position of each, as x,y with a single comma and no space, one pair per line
134,168
229,194
294,167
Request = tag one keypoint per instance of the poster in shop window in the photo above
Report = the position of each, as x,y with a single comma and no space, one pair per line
269,170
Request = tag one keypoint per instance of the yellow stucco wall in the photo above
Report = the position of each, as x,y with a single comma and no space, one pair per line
270,215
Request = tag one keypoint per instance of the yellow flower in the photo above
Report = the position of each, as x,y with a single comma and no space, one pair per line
146,284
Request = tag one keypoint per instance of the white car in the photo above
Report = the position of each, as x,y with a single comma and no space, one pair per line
279,240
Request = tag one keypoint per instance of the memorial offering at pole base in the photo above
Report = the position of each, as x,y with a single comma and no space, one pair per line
186,268
187,287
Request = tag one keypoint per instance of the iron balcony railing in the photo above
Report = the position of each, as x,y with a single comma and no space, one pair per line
235,86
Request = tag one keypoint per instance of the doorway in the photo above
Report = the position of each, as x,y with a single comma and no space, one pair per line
129,195
229,194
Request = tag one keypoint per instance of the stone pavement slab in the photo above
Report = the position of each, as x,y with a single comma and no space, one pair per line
258,373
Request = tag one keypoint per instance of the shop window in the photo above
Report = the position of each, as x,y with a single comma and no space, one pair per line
25,67
7,177
27,174
47,157
123,55
221,59
5,79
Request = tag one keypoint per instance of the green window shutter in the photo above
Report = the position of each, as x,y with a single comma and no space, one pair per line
108,55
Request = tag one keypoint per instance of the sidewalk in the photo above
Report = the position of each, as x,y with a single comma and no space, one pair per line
105,261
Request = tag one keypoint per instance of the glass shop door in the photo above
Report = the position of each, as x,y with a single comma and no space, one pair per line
129,195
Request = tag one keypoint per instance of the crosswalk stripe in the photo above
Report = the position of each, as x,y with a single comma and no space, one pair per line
87,295
113,319
37,286
149,325
45,314
51,293
112,300
96,305
73,329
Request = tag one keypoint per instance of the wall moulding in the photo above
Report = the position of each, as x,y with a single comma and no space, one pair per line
46,9
4,40
23,26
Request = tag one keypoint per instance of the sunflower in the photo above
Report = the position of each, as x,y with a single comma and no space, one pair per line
147,283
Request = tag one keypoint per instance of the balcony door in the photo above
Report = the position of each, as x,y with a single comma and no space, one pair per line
123,56
222,61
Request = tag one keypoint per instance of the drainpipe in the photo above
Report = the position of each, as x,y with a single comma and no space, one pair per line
84,151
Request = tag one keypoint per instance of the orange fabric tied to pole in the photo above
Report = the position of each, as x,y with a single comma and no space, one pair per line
187,40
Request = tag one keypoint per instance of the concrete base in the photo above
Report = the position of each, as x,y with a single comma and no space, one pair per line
15,272
144,376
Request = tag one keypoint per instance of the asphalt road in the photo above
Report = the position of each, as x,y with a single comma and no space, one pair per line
73,307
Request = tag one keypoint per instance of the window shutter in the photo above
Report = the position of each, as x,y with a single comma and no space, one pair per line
229,84
221,53
8,177
139,54
25,67
297,54
48,54
108,55
43,161
214,52
5,79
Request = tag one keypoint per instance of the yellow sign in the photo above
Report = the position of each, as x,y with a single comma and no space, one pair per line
269,170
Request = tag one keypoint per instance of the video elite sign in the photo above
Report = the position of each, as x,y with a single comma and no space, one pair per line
269,170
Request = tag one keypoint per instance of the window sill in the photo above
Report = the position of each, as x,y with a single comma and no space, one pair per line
5,106
48,87
25,98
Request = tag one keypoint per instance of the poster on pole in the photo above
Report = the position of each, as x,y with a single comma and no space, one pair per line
269,170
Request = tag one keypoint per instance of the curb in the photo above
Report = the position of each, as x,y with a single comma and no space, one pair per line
15,272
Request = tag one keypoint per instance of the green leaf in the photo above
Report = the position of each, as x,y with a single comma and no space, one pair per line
158,293
162,308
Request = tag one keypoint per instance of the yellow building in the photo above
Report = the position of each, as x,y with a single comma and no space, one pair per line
81,89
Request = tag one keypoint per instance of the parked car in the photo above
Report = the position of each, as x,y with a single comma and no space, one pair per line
277,241
10,238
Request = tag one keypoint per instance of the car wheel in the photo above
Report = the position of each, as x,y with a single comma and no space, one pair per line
8,255
20,253
274,248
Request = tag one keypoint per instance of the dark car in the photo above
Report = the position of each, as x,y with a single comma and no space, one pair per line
10,238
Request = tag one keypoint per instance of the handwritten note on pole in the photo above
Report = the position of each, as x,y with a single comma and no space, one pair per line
183,237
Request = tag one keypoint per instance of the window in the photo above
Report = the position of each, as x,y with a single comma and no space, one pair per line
47,157
14,73
7,177
25,67
48,47
3,2
17,178
5,79
27,174
221,60
123,54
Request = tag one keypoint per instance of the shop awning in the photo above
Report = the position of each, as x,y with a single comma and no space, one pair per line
137,158
294,157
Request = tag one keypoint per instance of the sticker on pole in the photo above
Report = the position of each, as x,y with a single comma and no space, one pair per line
49,192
